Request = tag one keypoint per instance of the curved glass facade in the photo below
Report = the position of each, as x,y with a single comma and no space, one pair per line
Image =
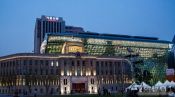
153,53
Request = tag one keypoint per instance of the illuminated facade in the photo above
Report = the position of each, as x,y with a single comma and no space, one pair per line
50,24
53,74
67,59
152,51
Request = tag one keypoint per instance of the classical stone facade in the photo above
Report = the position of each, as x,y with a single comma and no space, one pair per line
54,74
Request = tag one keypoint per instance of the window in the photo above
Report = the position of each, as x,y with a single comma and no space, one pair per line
65,81
78,62
110,64
17,63
57,64
102,64
1,64
36,71
83,71
46,72
52,63
106,72
73,71
41,62
41,72
72,63
106,64
97,64
57,71
7,64
83,63
91,63
51,71
97,71
65,72
78,71
30,62
36,62
65,63
91,72
25,62
46,62
92,81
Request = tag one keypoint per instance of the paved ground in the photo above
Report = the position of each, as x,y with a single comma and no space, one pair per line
118,95
5,95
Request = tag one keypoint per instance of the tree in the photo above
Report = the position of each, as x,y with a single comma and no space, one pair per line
138,74
147,76
156,66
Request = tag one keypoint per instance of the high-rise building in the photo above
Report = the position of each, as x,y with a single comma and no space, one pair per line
50,24
47,24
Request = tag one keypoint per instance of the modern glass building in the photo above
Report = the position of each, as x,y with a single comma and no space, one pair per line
152,51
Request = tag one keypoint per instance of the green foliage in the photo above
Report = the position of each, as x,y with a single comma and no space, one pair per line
156,65
110,50
147,76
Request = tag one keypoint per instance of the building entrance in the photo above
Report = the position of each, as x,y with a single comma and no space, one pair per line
78,87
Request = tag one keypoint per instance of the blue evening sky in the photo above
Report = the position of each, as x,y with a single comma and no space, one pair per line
152,18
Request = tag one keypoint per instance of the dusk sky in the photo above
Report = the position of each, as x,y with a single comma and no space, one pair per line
152,18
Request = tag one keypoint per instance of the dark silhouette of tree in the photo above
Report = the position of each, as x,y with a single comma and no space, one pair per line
147,76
